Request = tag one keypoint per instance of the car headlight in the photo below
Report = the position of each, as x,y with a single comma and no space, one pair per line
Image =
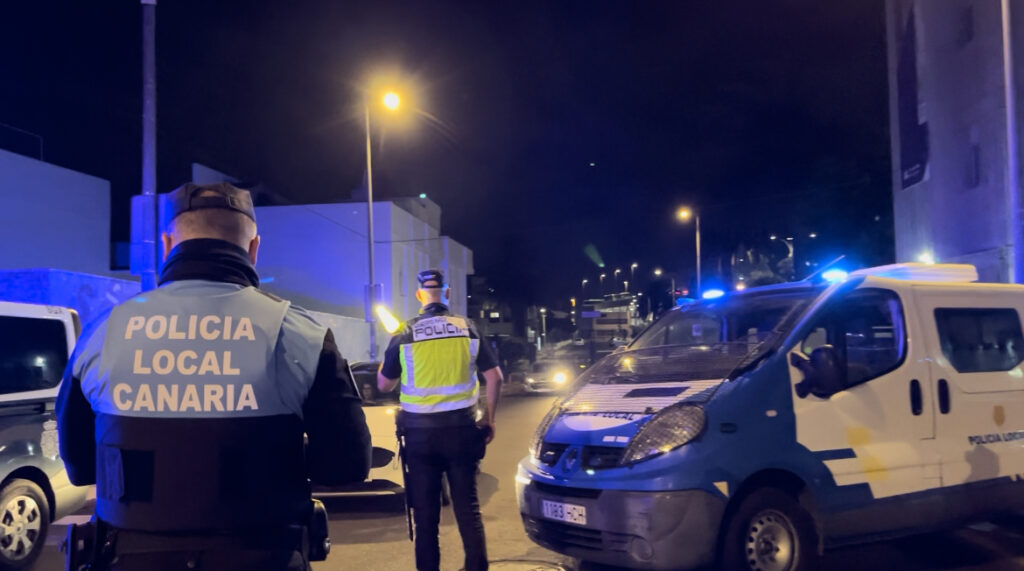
559,378
531,380
668,430
545,424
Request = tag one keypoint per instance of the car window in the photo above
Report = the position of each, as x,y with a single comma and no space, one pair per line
866,329
33,353
980,340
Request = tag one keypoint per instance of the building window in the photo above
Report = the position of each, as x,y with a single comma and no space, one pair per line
965,26
980,340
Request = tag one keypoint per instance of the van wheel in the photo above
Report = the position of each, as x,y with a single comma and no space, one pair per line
24,521
770,531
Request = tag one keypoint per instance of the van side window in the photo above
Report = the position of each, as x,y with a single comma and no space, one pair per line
980,340
33,353
868,334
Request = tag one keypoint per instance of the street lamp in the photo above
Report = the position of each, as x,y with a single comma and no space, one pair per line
684,214
617,272
657,272
632,271
391,100
600,284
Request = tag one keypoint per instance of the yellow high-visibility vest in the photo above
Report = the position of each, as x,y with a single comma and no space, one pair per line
438,357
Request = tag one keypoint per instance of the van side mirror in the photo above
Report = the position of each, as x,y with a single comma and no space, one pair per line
822,376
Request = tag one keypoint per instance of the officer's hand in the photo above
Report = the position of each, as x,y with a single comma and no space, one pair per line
488,428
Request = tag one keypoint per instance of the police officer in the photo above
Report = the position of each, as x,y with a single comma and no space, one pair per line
187,405
436,356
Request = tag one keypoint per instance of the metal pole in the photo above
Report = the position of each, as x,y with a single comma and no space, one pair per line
372,290
1012,156
698,256
149,210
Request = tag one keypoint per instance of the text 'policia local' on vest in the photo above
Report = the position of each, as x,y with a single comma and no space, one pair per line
186,362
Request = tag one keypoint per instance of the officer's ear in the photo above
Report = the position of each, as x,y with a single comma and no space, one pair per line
167,242
419,295
447,293
254,246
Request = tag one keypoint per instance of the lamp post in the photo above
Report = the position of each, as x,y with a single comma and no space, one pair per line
391,100
600,284
616,273
684,214
632,271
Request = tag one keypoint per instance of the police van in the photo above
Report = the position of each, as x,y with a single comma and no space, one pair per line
757,429
35,344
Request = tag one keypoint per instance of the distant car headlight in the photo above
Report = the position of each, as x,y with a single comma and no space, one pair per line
531,380
669,429
560,378
542,429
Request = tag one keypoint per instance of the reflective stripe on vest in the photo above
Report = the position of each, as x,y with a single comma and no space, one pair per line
439,373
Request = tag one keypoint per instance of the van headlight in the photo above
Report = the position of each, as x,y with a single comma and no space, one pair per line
668,430
560,378
545,424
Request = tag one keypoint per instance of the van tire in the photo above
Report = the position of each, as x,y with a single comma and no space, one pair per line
24,522
770,531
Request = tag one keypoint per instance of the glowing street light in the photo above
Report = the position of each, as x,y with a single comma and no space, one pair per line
684,214
391,101
657,272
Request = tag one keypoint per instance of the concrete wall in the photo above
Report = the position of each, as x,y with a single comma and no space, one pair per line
316,255
52,217
960,211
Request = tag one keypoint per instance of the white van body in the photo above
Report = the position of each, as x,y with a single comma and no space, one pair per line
36,342
767,425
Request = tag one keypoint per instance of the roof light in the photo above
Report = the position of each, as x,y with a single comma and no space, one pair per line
926,258
713,294
912,271
834,275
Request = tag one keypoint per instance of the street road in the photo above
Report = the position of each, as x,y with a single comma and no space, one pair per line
370,532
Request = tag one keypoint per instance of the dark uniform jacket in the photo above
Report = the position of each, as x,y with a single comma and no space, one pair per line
187,405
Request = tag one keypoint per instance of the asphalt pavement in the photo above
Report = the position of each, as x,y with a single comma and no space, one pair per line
369,532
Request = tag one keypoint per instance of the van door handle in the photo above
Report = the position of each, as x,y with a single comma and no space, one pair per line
943,396
915,397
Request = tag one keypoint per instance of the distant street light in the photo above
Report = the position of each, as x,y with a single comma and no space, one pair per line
617,272
625,286
684,214
657,272
632,271
600,283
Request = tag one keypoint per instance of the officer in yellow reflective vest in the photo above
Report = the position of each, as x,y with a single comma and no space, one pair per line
437,356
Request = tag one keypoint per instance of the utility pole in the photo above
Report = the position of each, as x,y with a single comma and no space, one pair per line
144,210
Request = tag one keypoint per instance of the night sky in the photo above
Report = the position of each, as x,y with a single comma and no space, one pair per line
767,116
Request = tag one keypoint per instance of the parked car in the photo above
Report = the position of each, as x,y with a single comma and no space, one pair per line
35,344
380,410
768,424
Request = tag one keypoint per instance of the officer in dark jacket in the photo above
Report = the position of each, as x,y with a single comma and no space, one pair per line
187,405
436,357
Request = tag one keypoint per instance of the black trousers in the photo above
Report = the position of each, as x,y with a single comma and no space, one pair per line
454,451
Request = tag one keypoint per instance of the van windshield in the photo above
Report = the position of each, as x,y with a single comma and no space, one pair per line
707,340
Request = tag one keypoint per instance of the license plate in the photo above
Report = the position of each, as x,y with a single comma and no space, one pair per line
564,512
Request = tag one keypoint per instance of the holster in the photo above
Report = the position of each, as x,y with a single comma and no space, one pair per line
318,533
87,546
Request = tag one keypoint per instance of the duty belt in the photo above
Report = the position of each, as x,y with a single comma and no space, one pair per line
461,417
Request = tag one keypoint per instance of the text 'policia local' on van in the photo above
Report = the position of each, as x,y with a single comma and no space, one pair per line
756,429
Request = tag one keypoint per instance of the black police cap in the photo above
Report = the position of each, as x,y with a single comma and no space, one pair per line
430,279
191,196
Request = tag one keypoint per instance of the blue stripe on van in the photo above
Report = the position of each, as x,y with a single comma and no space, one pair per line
835,454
